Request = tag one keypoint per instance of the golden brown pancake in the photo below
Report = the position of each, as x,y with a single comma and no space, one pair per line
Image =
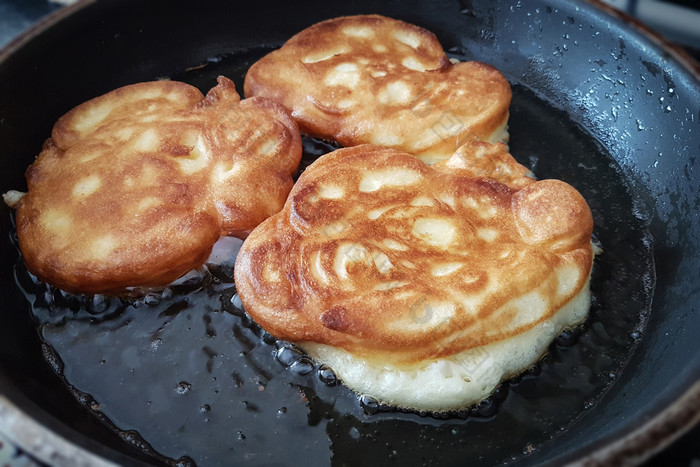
134,187
372,79
391,264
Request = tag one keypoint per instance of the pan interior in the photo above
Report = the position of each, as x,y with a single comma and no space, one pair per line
185,374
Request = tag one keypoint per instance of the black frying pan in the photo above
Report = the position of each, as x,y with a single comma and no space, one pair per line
596,103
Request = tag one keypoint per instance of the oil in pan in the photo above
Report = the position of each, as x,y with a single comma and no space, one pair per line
185,375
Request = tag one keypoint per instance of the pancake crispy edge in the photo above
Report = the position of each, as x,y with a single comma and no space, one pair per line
135,186
372,79
394,271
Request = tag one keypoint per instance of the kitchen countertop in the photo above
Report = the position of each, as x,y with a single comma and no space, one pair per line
16,16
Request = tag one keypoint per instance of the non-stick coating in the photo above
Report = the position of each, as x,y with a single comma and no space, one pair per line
622,88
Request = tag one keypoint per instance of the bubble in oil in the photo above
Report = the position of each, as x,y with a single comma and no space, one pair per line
567,337
369,404
327,375
98,304
302,366
288,355
237,303
267,338
184,462
500,392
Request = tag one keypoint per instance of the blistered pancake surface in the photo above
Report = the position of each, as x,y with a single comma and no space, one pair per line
372,79
399,263
134,187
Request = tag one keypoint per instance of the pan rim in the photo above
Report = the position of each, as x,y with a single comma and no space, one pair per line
651,437
39,27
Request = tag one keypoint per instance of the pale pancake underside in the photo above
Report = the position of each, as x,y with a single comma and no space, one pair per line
134,187
405,265
372,79
456,381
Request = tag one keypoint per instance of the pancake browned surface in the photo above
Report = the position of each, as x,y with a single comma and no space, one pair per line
134,187
372,79
380,259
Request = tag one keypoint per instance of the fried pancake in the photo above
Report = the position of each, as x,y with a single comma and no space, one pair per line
372,79
411,279
134,187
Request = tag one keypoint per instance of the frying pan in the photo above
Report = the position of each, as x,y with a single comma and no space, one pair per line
598,102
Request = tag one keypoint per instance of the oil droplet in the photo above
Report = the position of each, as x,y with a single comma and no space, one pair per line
529,449
183,387
261,383
155,343
237,380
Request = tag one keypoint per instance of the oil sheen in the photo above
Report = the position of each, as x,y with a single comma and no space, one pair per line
185,375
